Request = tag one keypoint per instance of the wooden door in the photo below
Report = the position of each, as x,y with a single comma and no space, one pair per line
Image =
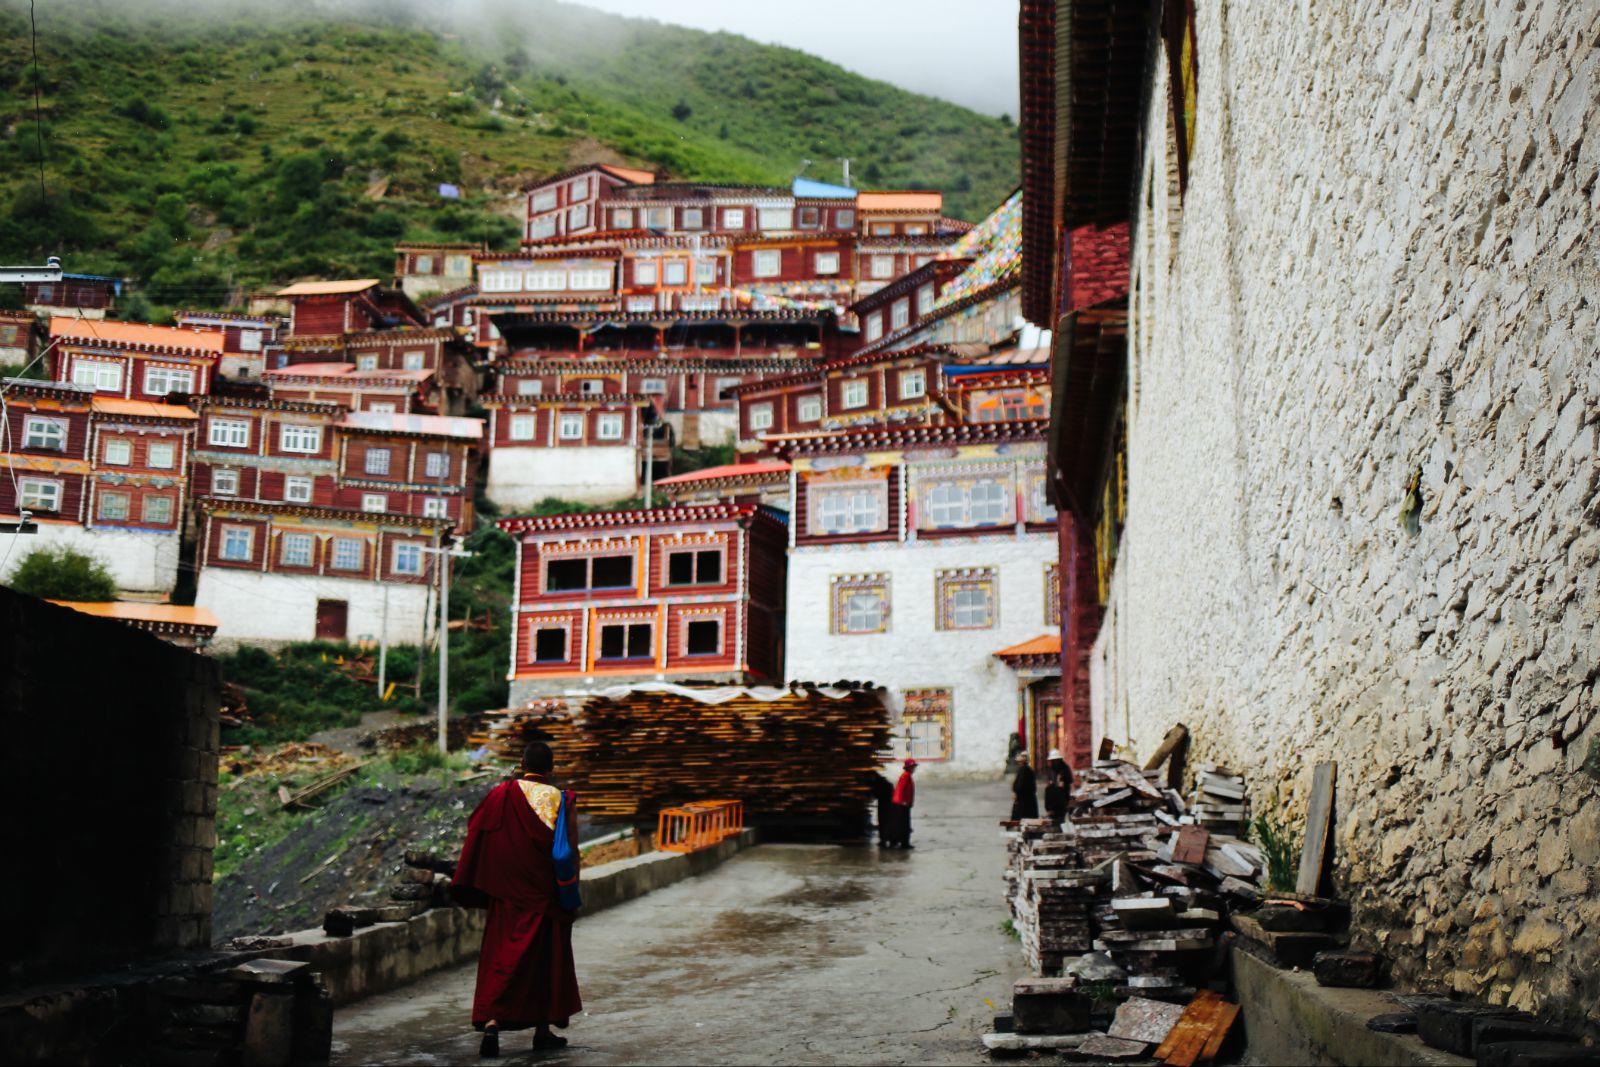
333,616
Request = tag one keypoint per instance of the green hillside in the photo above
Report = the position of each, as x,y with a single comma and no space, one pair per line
201,147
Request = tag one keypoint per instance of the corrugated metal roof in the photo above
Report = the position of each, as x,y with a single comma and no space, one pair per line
143,408
113,332
1045,645
130,611
731,470
354,285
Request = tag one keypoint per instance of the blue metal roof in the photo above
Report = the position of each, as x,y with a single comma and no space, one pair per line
808,187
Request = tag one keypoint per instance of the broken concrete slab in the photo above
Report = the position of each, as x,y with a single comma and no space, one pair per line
1350,969
1049,1006
1399,1022
1105,1047
1448,1024
1142,1019
1012,1042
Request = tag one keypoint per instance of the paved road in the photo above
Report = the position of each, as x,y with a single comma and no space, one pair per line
785,954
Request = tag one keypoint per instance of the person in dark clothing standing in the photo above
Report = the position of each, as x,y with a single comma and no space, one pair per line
883,793
1024,791
1058,786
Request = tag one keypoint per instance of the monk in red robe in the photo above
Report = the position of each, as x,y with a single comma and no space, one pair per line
905,795
525,973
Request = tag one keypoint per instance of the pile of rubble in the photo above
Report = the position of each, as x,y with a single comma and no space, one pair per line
423,883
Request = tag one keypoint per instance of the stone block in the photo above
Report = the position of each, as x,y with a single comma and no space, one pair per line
1049,1006
1355,970
1400,1022
268,1031
200,1014
1496,1030
337,923
418,875
1537,1054
410,891
1448,1024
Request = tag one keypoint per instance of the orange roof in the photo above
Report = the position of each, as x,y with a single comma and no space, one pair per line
899,200
146,408
1045,645
112,332
356,285
637,177
347,371
130,611
731,470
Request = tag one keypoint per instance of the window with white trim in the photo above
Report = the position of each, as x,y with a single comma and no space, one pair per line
766,263
873,328
705,272
500,281
435,507
229,433
844,218
436,465
571,427
622,219
675,272
347,554
900,314
761,416
422,265
775,218
100,376
296,438
608,427
592,386
374,501
238,543
598,278
413,360
530,386
119,451
156,510
627,641
859,604
925,295
543,200
702,637
367,361
161,455
827,263
853,394
693,218
644,272
722,385
407,558
386,408
297,489
39,494
733,218
848,509
658,218
578,190
653,387
966,598
545,281
224,481
810,218
377,461
249,340
542,227
522,427
40,432
295,549
578,217
113,507
880,266
549,644
159,381
809,409
913,384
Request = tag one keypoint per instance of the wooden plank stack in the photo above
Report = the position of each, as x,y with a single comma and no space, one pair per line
1219,802
801,763
1049,894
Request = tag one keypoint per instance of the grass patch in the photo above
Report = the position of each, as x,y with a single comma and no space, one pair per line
1280,846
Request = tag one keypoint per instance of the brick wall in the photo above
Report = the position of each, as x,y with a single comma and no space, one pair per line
108,773
1382,270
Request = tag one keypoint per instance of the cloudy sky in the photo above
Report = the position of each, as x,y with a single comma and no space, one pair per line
961,50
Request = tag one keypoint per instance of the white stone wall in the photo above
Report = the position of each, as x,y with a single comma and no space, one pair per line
913,654
1384,268
592,474
140,562
253,608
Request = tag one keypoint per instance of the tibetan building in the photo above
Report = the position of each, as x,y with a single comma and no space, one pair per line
917,555
248,341
134,361
683,593
101,475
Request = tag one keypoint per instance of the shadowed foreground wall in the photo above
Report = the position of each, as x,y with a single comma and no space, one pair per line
108,778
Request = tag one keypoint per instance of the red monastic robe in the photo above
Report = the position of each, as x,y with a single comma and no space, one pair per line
905,790
525,969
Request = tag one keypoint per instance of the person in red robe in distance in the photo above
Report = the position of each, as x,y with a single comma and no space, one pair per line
525,970
905,795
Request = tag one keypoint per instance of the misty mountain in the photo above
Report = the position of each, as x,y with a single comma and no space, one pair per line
201,146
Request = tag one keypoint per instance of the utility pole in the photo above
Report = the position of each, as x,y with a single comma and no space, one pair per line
846,163
383,646
650,462
444,553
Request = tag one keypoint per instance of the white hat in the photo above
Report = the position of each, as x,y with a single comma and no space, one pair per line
1055,753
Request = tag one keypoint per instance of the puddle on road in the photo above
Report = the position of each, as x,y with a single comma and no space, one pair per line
820,894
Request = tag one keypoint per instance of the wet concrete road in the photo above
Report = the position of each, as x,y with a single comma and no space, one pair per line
785,954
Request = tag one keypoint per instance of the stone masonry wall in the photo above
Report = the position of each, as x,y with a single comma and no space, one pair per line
108,776
1363,520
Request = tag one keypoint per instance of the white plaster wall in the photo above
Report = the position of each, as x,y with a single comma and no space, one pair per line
913,654
256,608
1384,271
521,477
139,562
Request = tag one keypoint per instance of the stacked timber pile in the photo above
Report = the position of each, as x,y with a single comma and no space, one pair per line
801,759
1218,802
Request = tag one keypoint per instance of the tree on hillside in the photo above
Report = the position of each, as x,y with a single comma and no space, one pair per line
681,110
56,572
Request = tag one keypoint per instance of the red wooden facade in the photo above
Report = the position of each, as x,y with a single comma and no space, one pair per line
671,592
85,292
134,361
323,309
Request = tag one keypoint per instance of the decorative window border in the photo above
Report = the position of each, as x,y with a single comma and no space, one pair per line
1052,596
928,704
716,615
840,586
817,489
947,583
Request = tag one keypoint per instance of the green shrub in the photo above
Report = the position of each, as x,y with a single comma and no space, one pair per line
56,572
1280,847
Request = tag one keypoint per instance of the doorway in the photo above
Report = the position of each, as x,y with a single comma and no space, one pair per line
333,618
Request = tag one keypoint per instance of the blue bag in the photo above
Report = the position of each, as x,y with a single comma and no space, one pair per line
565,858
